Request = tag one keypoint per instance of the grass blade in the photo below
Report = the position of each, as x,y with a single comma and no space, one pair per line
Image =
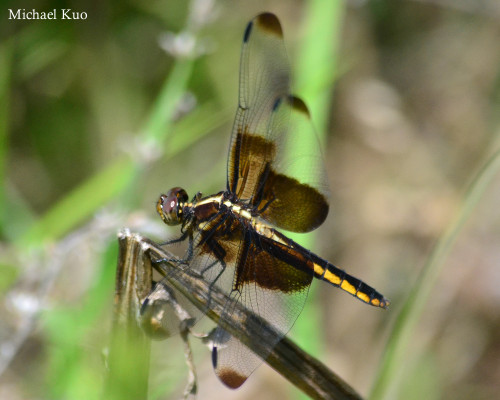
412,309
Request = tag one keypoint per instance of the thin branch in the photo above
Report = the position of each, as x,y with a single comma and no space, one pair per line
304,371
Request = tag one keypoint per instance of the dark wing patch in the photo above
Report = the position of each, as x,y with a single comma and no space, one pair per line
253,153
291,205
269,22
230,377
262,270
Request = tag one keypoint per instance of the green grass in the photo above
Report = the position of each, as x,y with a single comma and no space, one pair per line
112,180
5,65
396,354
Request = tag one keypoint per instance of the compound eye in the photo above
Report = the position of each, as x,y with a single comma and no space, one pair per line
169,206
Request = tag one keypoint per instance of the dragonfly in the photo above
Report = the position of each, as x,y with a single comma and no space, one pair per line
234,238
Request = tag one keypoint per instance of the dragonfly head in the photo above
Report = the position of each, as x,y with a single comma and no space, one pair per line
170,206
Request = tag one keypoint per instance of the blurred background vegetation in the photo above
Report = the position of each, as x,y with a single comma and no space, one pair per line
99,116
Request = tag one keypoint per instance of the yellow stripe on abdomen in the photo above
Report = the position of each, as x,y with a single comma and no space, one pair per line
348,287
333,278
327,275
